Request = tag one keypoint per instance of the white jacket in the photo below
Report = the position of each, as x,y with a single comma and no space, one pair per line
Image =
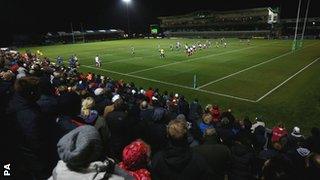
62,172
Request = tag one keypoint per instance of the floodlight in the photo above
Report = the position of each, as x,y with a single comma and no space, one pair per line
127,1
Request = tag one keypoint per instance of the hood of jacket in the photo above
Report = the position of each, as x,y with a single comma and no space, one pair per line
177,158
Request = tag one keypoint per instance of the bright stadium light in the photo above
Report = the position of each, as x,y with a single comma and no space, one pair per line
127,2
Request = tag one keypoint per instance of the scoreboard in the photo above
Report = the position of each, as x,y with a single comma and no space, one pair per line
154,29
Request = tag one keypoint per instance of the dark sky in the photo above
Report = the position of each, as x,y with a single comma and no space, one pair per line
31,16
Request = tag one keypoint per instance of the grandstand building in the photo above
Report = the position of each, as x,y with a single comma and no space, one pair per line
248,22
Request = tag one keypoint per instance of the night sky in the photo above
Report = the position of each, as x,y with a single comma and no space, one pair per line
30,16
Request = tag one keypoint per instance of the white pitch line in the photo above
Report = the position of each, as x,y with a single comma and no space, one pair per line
172,84
277,87
248,68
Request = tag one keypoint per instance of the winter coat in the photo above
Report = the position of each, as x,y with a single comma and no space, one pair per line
195,111
117,122
28,131
95,171
100,103
242,163
146,114
203,127
217,156
183,107
178,163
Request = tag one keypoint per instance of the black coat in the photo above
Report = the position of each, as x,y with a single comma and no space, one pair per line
242,163
178,163
195,111
183,107
217,156
29,133
117,122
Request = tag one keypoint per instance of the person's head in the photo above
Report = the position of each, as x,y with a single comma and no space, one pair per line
177,132
313,163
7,76
210,132
296,132
136,155
144,105
118,104
281,125
86,106
207,118
208,108
28,88
69,104
80,147
181,117
277,168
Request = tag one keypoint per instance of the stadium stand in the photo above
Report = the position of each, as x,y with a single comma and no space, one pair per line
64,124
257,21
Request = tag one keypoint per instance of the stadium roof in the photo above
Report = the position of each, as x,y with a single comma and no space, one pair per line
200,13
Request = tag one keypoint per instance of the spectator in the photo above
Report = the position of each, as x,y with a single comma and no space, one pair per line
178,161
277,168
295,139
117,121
278,132
313,142
87,113
135,159
242,163
313,167
195,111
28,130
69,113
81,157
215,112
183,106
206,123
218,156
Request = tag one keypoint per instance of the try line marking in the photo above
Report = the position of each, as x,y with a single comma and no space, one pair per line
284,82
171,84
251,67
202,57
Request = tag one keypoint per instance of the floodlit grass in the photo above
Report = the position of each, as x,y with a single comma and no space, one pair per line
241,77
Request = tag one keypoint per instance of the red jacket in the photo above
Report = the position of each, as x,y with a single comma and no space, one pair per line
277,133
149,94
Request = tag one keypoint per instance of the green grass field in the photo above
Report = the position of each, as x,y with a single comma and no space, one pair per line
263,79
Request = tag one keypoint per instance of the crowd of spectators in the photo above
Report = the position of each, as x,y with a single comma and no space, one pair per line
60,123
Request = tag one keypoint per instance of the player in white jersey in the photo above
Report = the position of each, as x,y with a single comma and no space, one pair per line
248,42
97,61
162,53
178,45
217,44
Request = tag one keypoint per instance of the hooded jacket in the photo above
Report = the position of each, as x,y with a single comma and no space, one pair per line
242,163
28,131
178,163
217,156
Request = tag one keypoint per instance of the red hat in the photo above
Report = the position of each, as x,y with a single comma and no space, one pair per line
135,155
14,68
